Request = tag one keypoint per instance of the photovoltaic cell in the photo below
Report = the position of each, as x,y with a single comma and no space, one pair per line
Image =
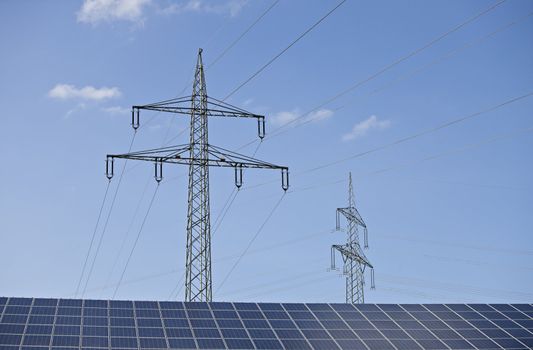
64,324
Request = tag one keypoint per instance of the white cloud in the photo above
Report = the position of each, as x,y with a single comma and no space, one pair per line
296,117
321,114
66,91
79,107
95,11
231,7
284,117
361,128
116,110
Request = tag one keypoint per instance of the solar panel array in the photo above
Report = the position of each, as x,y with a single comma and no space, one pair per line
65,324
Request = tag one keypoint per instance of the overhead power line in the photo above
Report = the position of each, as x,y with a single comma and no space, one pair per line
379,72
510,251
224,52
408,75
92,238
224,258
461,149
458,288
279,54
283,51
250,243
455,150
422,133
107,220
136,241
409,55
126,235
230,46
218,221
234,42
409,138
467,147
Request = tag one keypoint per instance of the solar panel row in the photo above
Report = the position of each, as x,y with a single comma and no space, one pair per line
62,324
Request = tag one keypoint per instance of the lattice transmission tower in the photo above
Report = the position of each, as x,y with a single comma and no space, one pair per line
353,257
199,155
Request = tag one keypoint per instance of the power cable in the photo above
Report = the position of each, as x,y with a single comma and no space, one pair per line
411,137
422,68
283,51
130,226
225,210
92,238
229,47
223,53
226,50
422,133
431,43
293,286
142,196
231,199
411,54
136,241
290,278
510,251
464,148
218,221
456,288
273,59
107,219
458,260
250,242
435,298
383,70
455,150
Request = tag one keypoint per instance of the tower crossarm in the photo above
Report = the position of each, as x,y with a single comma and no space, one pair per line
216,157
351,253
183,105
352,214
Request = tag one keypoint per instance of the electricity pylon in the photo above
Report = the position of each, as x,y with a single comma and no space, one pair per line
199,155
353,257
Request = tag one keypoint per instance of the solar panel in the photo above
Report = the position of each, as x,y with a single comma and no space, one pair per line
63,324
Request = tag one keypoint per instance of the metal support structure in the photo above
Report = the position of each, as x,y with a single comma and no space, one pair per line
199,155
353,257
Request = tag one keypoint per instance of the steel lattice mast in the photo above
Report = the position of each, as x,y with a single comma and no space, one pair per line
199,155
353,257
198,259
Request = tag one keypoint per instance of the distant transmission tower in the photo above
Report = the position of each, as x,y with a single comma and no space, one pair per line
199,155
353,257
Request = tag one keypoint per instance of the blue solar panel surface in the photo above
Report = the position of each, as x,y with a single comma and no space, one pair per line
63,324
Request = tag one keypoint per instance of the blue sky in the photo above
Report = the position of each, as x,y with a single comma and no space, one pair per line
448,212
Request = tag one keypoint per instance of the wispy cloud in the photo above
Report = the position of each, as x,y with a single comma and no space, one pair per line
319,115
96,11
284,117
66,91
79,107
296,117
361,128
231,7
116,110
